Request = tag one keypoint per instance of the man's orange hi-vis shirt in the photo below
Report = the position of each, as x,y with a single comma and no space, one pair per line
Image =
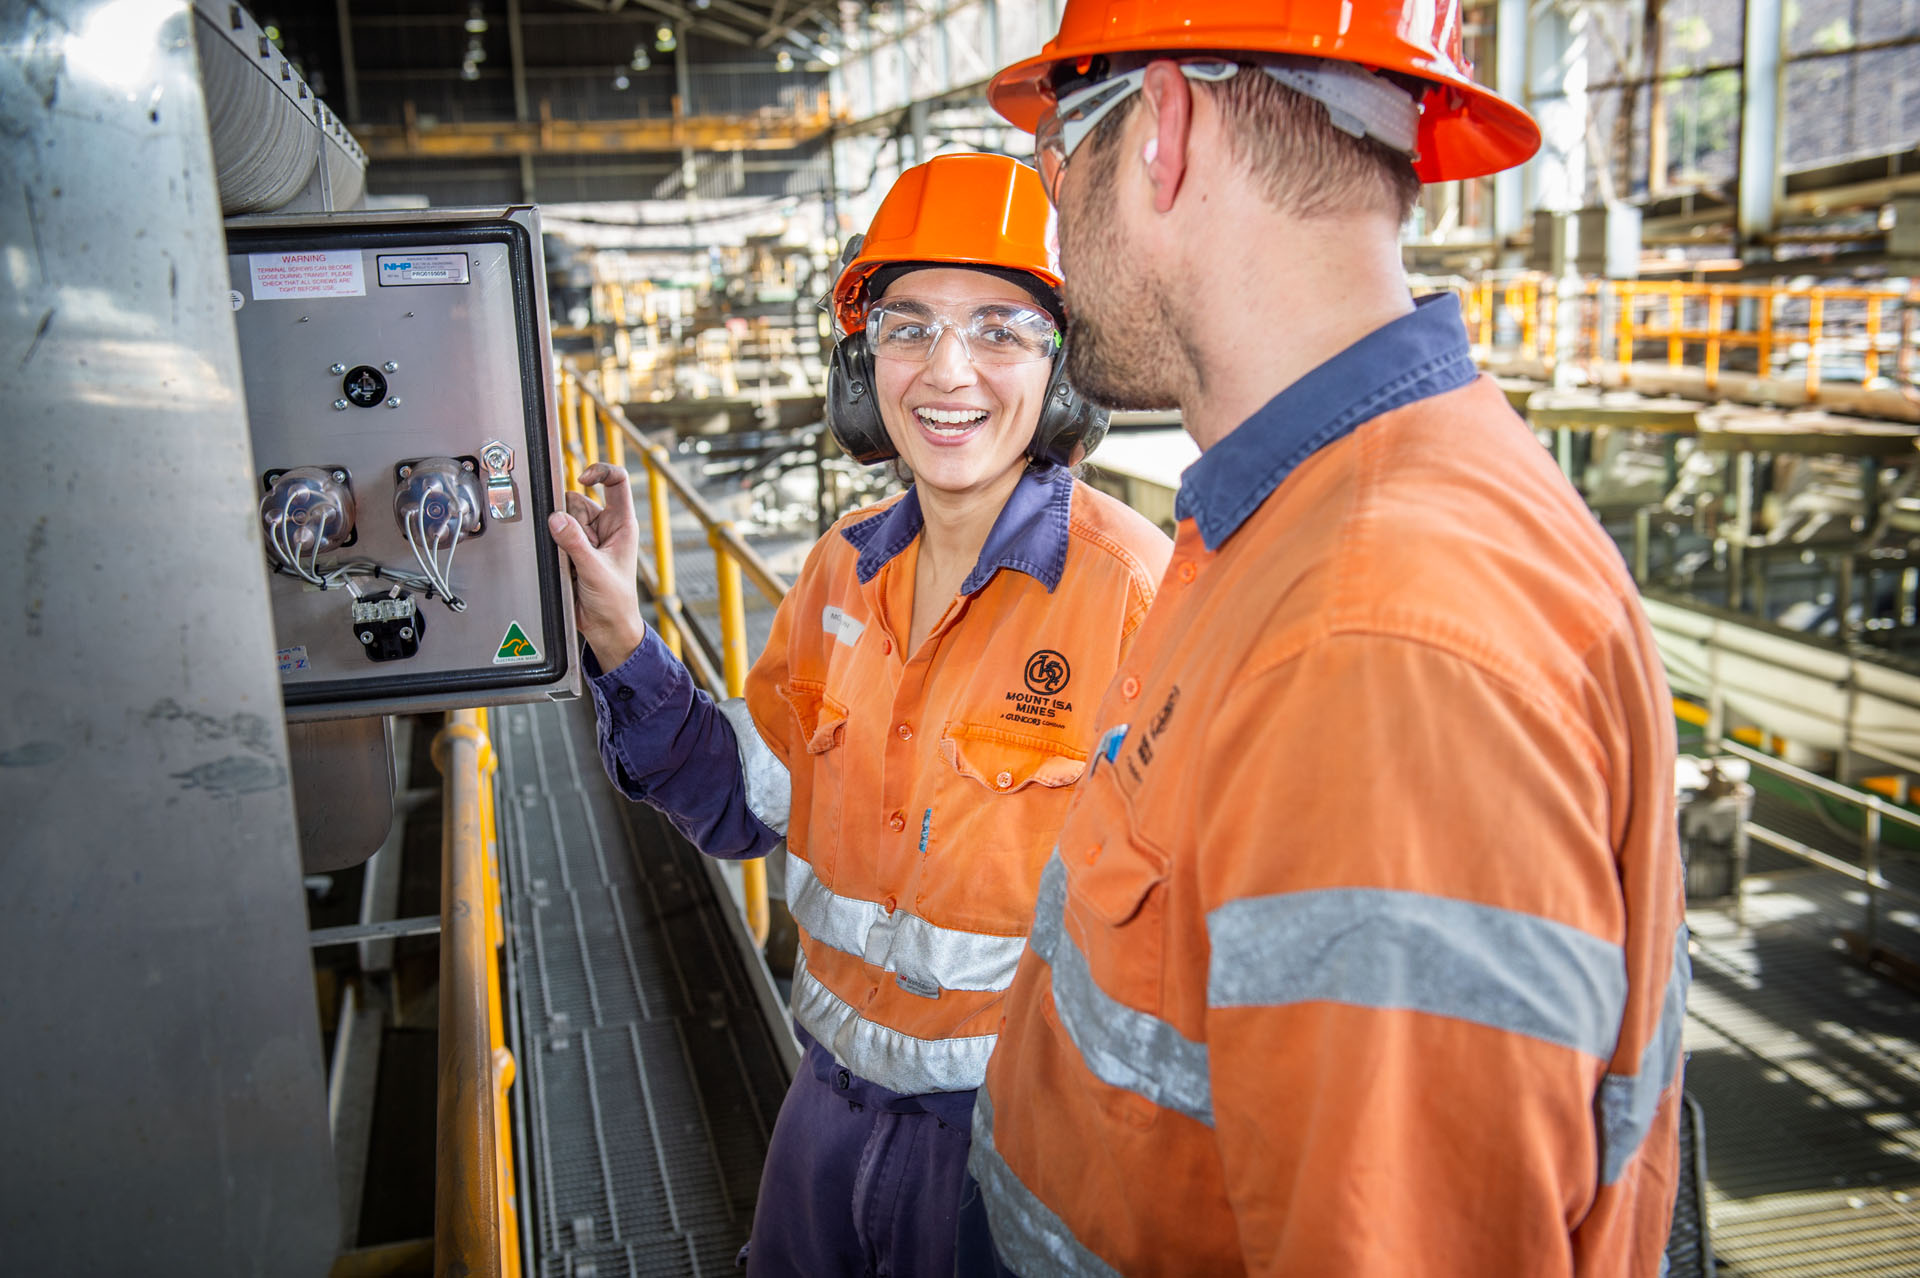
1362,950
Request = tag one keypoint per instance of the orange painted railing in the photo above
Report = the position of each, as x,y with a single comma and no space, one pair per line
1622,325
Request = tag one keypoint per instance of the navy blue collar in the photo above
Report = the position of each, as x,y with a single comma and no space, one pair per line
1030,534
1415,357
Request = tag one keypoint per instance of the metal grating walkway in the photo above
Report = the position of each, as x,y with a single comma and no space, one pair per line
1808,1070
650,1068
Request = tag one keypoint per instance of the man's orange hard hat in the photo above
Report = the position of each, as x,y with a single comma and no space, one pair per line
1465,130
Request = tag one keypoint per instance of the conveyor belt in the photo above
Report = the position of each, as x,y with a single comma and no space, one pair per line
651,1060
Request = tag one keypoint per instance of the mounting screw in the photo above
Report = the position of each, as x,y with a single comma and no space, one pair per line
366,636
466,465
340,405
339,476
336,369
391,367
406,471
393,401
406,632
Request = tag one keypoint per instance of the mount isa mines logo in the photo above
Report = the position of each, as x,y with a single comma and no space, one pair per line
1046,675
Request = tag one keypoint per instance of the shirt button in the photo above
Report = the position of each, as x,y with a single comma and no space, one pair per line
1188,572
905,731
1130,687
624,693
890,904
1093,854
886,646
842,1079
897,823
1004,780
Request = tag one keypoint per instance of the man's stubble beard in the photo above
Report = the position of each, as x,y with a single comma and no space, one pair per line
1121,339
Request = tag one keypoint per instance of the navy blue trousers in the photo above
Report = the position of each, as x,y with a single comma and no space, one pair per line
860,1180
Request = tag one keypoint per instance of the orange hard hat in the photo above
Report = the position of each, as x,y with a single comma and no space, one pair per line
1465,130
961,210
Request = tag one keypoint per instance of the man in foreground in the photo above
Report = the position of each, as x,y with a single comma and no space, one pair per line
1362,950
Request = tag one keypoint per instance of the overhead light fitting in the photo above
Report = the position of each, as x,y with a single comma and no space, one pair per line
663,39
476,21
271,32
469,71
783,61
640,59
701,4
620,80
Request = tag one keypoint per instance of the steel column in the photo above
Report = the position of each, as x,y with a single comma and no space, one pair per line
1762,88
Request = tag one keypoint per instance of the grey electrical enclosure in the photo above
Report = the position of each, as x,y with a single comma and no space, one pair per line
397,374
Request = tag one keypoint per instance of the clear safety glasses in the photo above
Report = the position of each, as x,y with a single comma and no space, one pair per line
992,333
1358,103
1079,112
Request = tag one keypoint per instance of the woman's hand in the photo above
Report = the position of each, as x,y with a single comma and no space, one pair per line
603,543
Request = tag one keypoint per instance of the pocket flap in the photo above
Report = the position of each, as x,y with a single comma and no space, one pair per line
822,719
1005,762
1113,884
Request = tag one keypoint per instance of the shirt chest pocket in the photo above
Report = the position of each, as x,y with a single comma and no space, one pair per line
1108,979
1009,762
818,777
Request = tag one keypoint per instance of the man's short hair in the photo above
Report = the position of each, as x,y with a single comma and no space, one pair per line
1308,167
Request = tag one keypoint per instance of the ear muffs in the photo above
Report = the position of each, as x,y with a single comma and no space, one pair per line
1068,421
853,415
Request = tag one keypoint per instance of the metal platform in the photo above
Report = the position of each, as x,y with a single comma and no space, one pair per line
653,1053
1808,1070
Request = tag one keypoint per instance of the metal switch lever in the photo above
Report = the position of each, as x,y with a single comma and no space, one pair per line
503,495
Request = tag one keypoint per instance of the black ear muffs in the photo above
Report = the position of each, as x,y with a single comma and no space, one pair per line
1068,421
853,415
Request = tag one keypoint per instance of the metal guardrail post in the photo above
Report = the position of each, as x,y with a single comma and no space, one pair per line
1816,314
733,652
1870,862
468,1229
656,459
1764,328
588,416
569,437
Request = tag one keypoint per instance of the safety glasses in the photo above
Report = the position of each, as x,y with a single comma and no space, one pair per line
991,333
1357,102
1078,113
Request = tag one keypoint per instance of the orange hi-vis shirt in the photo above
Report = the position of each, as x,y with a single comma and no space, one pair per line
1363,949
927,787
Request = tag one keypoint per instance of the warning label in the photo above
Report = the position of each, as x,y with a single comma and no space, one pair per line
422,268
515,648
320,274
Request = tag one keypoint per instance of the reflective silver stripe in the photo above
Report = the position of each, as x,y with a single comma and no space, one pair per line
1121,1045
1376,947
911,1066
769,786
921,953
1030,1238
1628,1102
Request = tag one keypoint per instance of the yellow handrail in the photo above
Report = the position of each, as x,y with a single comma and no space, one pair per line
734,562
1696,323
475,1224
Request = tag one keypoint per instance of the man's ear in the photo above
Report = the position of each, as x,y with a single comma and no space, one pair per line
1169,110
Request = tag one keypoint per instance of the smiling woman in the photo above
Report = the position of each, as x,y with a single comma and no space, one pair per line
920,718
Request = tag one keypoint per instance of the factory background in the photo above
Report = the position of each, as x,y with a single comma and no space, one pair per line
329,948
